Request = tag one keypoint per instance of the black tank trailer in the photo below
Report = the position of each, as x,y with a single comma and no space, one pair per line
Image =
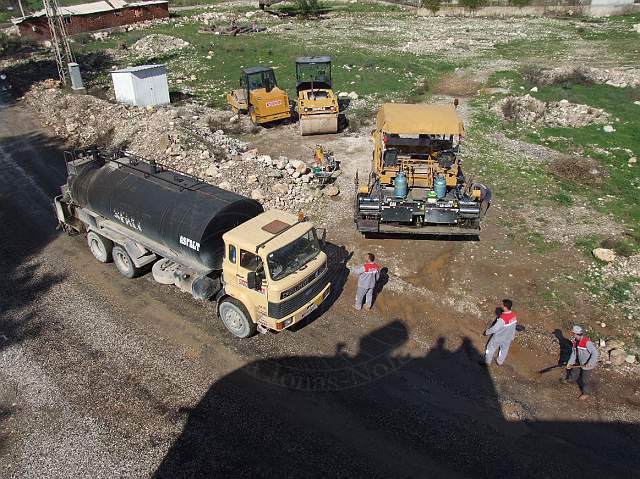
151,210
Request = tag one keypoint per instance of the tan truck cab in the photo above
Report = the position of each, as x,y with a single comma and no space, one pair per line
275,270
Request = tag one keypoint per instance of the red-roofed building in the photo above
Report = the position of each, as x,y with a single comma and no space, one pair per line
89,17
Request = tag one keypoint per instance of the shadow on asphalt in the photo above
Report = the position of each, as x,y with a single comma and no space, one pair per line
381,413
32,171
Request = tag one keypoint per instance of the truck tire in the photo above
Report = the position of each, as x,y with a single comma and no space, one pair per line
163,271
124,263
236,319
100,246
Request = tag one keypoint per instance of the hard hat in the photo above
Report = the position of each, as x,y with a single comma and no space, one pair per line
577,329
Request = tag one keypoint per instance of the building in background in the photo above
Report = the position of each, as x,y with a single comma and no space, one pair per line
89,17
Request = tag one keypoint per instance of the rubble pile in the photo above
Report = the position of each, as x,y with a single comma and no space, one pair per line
532,111
183,139
616,77
613,351
157,44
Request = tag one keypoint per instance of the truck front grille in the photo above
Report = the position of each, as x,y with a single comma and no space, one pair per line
289,305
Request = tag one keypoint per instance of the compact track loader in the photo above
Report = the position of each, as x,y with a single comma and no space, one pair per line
317,105
260,96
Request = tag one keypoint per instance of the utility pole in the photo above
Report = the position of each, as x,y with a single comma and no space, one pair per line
59,40
21,9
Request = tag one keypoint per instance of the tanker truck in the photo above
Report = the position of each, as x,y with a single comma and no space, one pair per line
265,270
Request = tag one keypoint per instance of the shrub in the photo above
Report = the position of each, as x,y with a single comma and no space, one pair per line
519,3
531,73
510,108
308,7
433,5
11,44
471,4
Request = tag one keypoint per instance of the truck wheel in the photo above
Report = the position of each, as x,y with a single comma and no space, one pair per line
236,318
100,246
124,263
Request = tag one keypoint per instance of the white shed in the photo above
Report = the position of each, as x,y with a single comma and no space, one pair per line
141,86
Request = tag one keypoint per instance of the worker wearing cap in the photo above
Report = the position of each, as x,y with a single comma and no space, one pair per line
583,359
368,275
503,332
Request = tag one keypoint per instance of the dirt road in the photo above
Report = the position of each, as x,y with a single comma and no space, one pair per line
106,377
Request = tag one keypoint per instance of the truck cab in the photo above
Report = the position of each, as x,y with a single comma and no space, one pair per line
275,268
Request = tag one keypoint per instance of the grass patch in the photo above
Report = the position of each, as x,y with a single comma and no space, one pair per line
620,290
622,182
540,245
587,244
388,76
563,198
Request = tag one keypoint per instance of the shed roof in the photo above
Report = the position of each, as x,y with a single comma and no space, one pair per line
90,8
138,68
419,118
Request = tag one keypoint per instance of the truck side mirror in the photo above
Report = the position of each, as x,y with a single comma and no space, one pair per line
251,280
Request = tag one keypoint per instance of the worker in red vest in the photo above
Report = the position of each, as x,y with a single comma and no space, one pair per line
502,334
368,275
583,360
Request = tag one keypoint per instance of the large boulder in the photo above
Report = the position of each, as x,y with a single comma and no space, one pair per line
250,154
256,194
618,357
212,170
331,190
604,254
280,188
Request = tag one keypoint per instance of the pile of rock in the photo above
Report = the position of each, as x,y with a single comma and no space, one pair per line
157,44
165,133
249,175
616,77
532,111
613,352
189,139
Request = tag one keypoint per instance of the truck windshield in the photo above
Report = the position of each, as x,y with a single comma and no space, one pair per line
293,256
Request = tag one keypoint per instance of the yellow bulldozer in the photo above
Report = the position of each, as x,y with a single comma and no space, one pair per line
317,105
260,96
417,185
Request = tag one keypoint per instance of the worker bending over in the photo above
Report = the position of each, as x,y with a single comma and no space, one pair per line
583,359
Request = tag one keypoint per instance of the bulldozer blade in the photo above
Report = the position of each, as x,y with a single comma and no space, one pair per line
318,124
